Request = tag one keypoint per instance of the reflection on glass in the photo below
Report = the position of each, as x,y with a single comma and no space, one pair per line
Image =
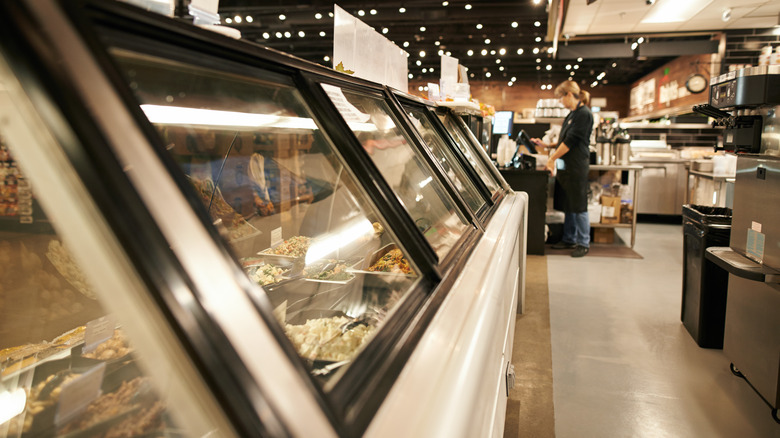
278,191
45,306
424,198
469,150
447,159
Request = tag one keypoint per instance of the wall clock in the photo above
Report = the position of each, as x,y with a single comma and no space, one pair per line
696,83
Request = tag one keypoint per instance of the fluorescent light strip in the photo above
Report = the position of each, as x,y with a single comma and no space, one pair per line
672,11
176,115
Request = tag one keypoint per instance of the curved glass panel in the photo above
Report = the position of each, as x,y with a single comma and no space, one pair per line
423,196
446,158
278,191
66,364
469,150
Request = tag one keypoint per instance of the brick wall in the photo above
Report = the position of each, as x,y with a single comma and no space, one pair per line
743,46
676,138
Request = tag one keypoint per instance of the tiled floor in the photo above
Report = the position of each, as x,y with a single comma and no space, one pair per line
624,365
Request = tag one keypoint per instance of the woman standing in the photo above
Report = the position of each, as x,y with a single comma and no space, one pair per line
571,188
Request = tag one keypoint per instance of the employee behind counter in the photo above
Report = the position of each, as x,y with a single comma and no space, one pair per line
571,179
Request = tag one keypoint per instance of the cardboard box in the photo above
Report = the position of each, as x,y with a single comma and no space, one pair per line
603,235
610,209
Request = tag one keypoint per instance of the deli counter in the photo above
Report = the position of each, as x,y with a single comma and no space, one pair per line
203,236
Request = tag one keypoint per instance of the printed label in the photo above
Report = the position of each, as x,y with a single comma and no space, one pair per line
78,393
98,331
755,226
276,236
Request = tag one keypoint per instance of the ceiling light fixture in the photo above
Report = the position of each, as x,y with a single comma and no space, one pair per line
538,39
576,67
536,50
579,59
385,30
519,51
361,12
514,24
279,34
326,58
411,76
249,19
237,19
431,69
537,23
445,3
538,67
487,40
266,35
470,52
479,26
487,75
502,52
448,53
301,34
228,20
568,66
422,53
406,43
372,12
550,50
330,14
437,43
640,40
483,52
425,70
282,17
514,79
318,16
501,68
402,10
322,33
441,52
492,52
538,60
671,11
634,45
422,28
287,34
548,67
510,83
468,6
498,61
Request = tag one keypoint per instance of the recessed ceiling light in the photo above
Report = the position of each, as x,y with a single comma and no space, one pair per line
483,52
614,64
640,40
228,20
571,74
322,33
634,45
492,52
279,34
468,6
318,16
537,23
471,75
568,66
536,50
519,51
437,43
422,53
501,68
538,39
479,26
448,53
514,79
361,12
441,52
502,51
487,40
301,34
330,14
282,17
445,3
406,43
550,50
249,19
548,67
470,52
411,76
402,10
266,35
431,69
425,70
487,75
326,58
538,60
419,63
237,19
576,67
422,28
498,61
509,83
372,12
385,30
579,59
514,24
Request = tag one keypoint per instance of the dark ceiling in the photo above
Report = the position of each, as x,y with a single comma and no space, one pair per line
512,25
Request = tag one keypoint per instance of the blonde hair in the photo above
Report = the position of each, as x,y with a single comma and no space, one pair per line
569,86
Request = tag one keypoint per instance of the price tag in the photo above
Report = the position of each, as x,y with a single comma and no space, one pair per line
349,112
97,331
77,394
276,236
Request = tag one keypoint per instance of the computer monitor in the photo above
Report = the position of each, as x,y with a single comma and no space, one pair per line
502,122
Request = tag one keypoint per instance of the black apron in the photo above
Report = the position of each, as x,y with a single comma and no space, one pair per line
571,182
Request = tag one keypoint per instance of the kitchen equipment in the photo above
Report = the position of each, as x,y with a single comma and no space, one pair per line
752,329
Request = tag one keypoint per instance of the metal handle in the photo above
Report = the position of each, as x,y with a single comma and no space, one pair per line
655,167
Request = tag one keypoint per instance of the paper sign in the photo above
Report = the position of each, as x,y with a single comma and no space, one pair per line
276,236
755,245
78,393
755,226
346,109
98,331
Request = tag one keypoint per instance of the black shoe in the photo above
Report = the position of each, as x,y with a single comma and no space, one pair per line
580,251
564,245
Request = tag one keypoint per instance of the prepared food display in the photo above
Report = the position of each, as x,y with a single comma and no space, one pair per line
331,339
296,246
131,410
329,270
393,261
42,396
264,274
115,347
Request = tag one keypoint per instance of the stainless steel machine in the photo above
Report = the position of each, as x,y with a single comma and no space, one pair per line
747,103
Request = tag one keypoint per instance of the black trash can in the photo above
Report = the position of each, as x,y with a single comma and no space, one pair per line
705,285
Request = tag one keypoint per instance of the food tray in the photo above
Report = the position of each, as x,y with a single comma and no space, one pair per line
362,267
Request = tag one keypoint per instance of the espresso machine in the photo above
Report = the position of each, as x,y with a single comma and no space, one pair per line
747,104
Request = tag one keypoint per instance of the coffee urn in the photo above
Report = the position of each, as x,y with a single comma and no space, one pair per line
747,104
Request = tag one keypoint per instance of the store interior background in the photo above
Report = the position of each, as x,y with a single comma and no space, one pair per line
618,50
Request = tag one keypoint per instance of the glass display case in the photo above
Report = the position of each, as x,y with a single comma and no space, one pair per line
206,237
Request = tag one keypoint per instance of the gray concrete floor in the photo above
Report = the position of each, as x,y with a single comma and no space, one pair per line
623,363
